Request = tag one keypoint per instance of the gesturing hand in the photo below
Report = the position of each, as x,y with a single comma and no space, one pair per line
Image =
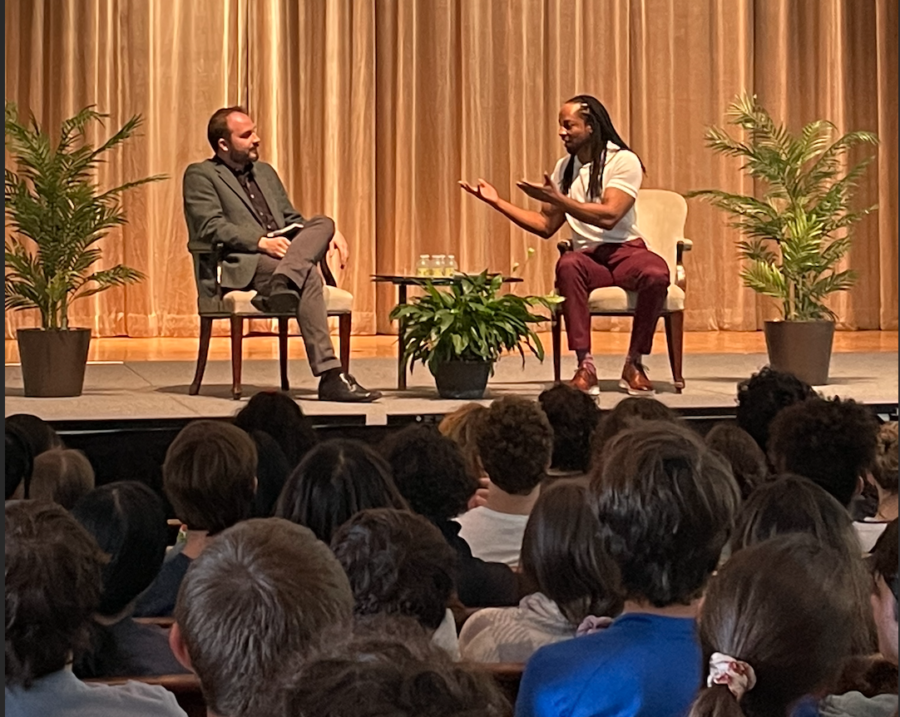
547,192
274,246
484,191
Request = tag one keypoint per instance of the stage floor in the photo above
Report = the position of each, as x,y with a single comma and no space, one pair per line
151,390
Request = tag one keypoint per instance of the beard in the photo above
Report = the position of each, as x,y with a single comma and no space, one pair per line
241,158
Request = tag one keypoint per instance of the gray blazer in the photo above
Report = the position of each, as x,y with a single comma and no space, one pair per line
217,209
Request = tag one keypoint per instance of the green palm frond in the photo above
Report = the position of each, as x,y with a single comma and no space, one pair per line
800,228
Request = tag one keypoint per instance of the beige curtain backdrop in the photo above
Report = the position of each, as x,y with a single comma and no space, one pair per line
371,110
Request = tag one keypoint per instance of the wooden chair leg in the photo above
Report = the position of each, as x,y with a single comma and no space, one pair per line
675,339
283,351
345,322
555,340
237,341
206,324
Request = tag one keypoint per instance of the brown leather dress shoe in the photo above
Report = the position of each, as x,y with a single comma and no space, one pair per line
585,380
634,379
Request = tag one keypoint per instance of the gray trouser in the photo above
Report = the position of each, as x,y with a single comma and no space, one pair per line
299,265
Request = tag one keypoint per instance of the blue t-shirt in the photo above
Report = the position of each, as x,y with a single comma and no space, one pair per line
640,666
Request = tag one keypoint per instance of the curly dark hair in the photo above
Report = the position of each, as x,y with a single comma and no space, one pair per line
430,472
666,506
573,415
515,442
748,462
398,563
886,458
830,441
276,413
627,413
386,668
763,395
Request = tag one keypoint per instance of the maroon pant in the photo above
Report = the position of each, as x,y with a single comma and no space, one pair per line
629,265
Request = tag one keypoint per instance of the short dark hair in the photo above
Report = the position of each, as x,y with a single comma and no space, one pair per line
886,457
18,463
430,472
748,462
53,569
564,557
573,416
276,413
209,475
883,560
515,442
666,506
830,441
398,563
217,127
390,670
763,395
627,413
337,479
781,607
61,475
259,595
37,433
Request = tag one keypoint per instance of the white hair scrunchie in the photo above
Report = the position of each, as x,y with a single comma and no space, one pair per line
736,675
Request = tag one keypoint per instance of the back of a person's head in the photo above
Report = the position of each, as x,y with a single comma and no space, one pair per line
830,441
18,463
461,427
39,434
774,627
276,413
430,472
515,442
762,396
886,466
209,475
386,669
128,521
625,414
564,557
337,479
272,470
573,415
53,581
886,590
261,594
398,563
61,475
666,506
746,458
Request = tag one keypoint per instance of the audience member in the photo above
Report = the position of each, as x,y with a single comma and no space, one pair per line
430,472
209,476
37,433
762,396
515,442
461,427
573,416
627,413
569,576
53,587
18,464
61,475
774,628
276,413
666,505
399,564
128,521
261,595
830,441
883,478
272,471
388,671
336,480
747,460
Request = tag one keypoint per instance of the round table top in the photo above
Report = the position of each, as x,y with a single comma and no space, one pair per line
436,280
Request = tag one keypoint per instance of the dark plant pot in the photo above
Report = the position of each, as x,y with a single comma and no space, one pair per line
802,348
53,361
462,379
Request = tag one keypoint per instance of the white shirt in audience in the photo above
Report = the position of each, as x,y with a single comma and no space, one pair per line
445,636
61,694
868,531
492,536
513,634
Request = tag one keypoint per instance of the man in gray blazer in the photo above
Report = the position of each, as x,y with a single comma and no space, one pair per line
240,203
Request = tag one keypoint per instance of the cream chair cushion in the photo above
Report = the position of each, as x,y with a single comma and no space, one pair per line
613,300
337,301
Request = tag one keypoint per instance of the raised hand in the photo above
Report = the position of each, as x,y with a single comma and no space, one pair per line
483,190
546,192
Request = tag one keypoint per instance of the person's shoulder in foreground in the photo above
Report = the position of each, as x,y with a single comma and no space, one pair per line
641,666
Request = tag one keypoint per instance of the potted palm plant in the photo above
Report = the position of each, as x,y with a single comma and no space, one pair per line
55,216
797,231
459,334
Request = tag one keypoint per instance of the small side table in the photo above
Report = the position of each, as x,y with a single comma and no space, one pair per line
402,281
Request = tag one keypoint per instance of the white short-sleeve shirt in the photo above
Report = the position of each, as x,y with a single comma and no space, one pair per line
621,171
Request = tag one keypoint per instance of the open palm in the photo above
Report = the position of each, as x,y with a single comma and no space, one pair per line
483,190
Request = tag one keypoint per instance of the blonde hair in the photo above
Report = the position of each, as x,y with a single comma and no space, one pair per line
461,427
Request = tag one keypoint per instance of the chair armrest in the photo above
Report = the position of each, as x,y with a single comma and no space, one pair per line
564,246
682,246
685,244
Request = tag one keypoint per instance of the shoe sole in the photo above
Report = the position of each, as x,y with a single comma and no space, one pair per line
635,391
372,397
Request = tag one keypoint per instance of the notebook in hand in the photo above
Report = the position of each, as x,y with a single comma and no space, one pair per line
290,231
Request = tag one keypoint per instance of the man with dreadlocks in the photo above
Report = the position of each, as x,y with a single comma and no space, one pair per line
594,188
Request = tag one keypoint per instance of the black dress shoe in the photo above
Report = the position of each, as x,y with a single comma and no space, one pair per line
338,386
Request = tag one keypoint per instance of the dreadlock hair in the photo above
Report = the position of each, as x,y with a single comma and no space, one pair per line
597,118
